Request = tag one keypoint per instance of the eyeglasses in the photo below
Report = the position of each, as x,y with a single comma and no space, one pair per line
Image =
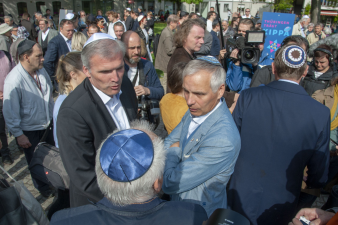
247,11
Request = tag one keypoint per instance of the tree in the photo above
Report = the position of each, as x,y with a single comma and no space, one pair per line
307,9
281,5
315,11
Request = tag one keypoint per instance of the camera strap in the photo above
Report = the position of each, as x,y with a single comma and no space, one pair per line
135,77
139,74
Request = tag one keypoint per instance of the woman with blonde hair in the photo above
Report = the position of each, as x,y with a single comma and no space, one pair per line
69,75
78,41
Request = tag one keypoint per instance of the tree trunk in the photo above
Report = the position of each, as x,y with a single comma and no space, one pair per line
315,11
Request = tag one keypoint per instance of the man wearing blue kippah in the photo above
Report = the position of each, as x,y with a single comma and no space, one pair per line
283,130
202,150
130,182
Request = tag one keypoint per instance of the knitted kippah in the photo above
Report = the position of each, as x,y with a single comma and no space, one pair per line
294,56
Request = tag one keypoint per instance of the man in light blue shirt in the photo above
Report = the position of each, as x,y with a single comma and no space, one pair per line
202,150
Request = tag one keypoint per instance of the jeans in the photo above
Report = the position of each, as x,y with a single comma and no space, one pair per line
3,137
34,138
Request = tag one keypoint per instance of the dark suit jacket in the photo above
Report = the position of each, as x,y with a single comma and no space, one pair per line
282,130
83,123
30,28
56,48
129,23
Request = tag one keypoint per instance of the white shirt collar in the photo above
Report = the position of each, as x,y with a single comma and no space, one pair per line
289,81
200,119
105,98
45,33
66,39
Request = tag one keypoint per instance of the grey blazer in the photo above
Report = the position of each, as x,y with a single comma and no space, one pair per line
52,33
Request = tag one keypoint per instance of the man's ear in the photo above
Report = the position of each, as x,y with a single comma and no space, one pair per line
221,91
305,72
158,185
86,71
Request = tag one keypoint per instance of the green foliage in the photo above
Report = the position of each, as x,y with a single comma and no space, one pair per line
281,5
307,9
335,20
187,1
158,27
160,73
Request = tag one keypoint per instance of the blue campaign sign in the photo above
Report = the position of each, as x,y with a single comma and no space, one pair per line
277,26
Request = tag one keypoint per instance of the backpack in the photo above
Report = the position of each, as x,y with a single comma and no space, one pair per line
8,56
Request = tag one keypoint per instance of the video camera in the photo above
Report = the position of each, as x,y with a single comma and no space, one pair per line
248,52
149,110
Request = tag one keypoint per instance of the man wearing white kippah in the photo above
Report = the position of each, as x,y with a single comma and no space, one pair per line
282,130
103,102
300,27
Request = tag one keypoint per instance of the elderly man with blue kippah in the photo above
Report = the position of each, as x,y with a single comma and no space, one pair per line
283,130
202,150
129,169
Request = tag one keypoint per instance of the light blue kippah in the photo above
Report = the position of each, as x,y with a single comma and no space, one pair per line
210,59
126,155
294,56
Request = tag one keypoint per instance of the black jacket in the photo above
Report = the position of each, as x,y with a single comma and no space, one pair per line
312,84
129,23
83,123
262,76
150,24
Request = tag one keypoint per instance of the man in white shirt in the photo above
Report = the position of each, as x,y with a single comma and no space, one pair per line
210,18
103,102
45,34
300,27
247,14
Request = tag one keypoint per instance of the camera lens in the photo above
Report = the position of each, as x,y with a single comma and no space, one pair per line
249,54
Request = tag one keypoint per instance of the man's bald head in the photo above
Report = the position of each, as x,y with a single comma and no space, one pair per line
133,45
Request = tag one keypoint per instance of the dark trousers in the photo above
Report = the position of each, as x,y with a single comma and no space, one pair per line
62,202
34,138
3,137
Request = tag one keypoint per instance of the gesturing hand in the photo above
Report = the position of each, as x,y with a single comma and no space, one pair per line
140,90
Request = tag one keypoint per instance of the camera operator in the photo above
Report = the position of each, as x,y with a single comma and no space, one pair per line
238,74
140,72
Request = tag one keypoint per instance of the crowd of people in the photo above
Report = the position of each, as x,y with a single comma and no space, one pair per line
259,139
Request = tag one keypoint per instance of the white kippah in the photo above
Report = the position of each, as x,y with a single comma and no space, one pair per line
306,17
98,36
139,18
69,16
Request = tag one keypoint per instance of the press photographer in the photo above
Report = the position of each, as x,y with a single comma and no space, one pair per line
244,54
143,76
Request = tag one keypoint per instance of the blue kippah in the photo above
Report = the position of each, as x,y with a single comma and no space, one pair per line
294,56
209,59
126,155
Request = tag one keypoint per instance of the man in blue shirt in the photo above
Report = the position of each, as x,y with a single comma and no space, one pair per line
202,150
216,46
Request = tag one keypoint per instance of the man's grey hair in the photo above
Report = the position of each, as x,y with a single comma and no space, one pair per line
218,73
141,189
8,17
317,25
38,14
327,30
106,48
303,19
172,18
311,25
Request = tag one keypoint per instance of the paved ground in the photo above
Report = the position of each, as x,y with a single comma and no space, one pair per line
19,171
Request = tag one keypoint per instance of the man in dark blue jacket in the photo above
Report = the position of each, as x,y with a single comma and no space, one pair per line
131,181
58,46
141,72
216,46
282,130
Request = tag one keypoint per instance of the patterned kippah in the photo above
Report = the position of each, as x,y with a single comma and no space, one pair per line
210,59
294,56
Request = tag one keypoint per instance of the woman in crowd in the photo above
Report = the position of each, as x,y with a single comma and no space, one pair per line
173,105
321,72
78,41
309,29
234,23
69,75
100,23
142,32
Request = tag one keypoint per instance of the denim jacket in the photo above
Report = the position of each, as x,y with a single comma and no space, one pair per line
238,77
199,173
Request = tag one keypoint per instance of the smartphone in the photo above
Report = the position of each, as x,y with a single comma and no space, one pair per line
304,221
